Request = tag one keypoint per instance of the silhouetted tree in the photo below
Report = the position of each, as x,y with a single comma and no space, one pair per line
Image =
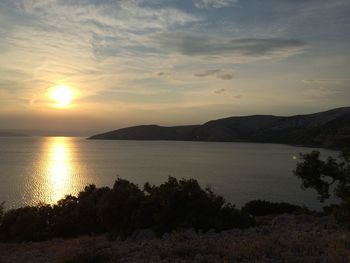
27,223
1,211
262,207
120,208
89,204
331,175
123,209
66,222
184,204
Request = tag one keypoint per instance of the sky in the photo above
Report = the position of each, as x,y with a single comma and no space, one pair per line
169,62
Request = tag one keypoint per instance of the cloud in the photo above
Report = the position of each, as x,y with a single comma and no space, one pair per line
88,44
28,5
223,91
218,73
162,73
335,81
320,92
97,45
219,47
220,91
207,4
207,73
224,76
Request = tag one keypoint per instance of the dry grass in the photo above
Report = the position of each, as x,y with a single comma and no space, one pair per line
290,239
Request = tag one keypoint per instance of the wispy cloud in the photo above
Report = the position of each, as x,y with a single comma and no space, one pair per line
162,73
220,91
218,73
224,76
324,88
238,48
334,81
92,45
28,5
213,3
320,92
123,54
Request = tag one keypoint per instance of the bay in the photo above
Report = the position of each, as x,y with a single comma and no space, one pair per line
45,169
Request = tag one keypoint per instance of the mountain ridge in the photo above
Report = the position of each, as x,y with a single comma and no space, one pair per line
329,129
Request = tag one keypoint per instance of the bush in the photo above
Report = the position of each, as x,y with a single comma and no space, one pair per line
120,209
27,223
184,204
88,205
262,208
1,211
175,204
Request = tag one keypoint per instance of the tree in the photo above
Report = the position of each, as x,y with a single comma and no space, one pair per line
1,211
331,176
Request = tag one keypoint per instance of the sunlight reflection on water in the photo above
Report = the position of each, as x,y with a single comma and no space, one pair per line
61,169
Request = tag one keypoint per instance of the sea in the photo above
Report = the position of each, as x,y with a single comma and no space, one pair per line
37,170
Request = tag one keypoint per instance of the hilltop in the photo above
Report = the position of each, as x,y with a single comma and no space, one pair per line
329,129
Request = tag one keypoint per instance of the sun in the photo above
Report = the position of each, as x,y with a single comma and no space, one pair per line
62,95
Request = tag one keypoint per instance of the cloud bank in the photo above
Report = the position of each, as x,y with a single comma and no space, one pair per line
238,48
132,58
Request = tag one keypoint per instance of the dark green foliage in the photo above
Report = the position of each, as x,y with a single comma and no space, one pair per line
89,204
184,204
121,208
262,208
27,223
175,204
327,177
66,221
1,210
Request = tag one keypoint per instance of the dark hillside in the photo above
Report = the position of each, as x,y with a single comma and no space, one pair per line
329,129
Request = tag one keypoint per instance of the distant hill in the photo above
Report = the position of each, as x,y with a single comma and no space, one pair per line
11,134
324,129
150,132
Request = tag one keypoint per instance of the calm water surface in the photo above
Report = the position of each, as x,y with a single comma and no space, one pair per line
45,169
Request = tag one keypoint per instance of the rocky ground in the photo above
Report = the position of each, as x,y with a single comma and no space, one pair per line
285,238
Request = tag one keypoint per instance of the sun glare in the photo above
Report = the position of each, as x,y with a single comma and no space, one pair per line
62,96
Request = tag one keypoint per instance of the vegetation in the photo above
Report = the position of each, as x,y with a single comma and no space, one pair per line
1,210
288,239
175,204
262,208
327,177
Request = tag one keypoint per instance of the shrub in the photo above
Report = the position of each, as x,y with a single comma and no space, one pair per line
262,207
1,211
184,204
120,209
175,204
89,203
65,219
27,223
